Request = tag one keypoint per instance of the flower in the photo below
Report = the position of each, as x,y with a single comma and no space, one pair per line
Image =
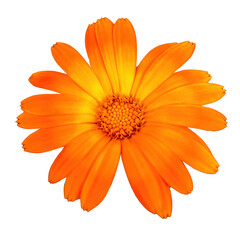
114,108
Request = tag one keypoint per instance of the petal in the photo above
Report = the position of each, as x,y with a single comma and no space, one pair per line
104,33
188,116
150,189
186,144
165,65
58,82
48,139
179,79
78,69
195,94
54,104
146,62
30,121
100,176
96,60
76,153
166,162
125,44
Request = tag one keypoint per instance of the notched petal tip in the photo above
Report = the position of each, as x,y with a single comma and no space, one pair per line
91,25
84,208
190,191
193,45
24,147
103,19
214,169
188,43
187,191
57,44
163,215
122,19
226,123
209,76
224,91
67,192
18,120
69,198
54,45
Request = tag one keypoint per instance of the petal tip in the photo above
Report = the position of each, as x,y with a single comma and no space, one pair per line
208,76
51,177
30,78
216,169
18,120
163,215
54,45
123,19
50,180
84,208
226,123
103,19
57,44
190,45
24,147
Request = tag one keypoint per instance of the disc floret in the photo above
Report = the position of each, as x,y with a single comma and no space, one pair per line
120,116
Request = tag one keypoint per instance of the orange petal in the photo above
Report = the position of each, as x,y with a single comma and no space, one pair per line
100,176
150,189
78,69
30,121
178,79
48,139
146,62
188,116
54,104
76,153
165,65
58,82
104,33
96,60
195,94
125,44
166,162
186,144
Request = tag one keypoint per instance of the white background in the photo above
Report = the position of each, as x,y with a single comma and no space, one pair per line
30,207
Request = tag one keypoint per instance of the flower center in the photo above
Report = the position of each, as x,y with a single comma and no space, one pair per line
120,116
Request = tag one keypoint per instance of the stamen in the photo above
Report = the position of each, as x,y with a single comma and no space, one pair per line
120,116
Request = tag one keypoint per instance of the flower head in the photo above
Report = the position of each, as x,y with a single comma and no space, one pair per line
113,107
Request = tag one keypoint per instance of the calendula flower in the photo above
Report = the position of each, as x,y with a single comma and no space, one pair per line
113,108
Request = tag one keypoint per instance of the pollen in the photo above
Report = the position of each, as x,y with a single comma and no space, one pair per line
120,116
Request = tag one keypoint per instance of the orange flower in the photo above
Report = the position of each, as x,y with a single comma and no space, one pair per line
113,107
